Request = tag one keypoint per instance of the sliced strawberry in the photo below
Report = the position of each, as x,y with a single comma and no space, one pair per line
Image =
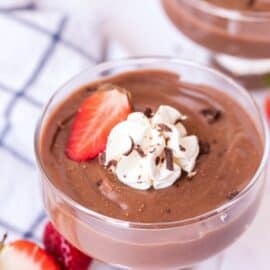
96,117
267,107
25,255
68,257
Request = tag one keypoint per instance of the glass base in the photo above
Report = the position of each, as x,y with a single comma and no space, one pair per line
213,263
252,73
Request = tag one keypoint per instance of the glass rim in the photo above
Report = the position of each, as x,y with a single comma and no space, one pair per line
237,15
147,225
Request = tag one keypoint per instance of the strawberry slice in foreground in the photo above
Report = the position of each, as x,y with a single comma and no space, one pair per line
68,257
96,117
25,255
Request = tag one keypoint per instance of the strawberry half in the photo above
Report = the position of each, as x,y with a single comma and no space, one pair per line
68,257
267,107
25,255
96,117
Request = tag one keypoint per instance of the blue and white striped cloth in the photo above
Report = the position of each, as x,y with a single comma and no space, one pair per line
39,52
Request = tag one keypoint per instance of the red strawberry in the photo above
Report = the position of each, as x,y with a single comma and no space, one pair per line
25,255
66,255
96,117
267,107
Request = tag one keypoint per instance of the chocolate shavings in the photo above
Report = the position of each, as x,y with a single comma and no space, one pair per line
111,163
179,120
211,115
204,147
139,150
128,152
182,148
99,183
148,112
169,158
163,127
177,184
157,160
232,194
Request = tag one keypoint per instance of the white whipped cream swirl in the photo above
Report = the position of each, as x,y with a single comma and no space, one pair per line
151,151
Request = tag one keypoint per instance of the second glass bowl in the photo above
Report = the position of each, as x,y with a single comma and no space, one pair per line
239,41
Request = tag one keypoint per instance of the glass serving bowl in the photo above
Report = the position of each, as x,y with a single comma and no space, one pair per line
238,41
165,245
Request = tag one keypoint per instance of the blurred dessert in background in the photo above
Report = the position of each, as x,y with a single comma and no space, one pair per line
236,33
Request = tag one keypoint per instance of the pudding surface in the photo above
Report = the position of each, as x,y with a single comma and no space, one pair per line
230,146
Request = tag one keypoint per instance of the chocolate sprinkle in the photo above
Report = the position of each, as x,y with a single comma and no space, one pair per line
99,182
232,194
128,152
204,147
139,150
148,112
157,160
168,210
211,115
177,121
111,163
102,158
182,148
169,158
163,127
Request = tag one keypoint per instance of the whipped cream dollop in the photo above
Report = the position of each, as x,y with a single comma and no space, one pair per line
151,150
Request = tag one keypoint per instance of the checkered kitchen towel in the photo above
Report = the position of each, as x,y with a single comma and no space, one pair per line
39,50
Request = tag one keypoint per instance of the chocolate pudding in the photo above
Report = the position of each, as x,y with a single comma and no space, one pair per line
234,28
226,134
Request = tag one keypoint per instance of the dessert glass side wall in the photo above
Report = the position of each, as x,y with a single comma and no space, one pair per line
232,36
166,245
